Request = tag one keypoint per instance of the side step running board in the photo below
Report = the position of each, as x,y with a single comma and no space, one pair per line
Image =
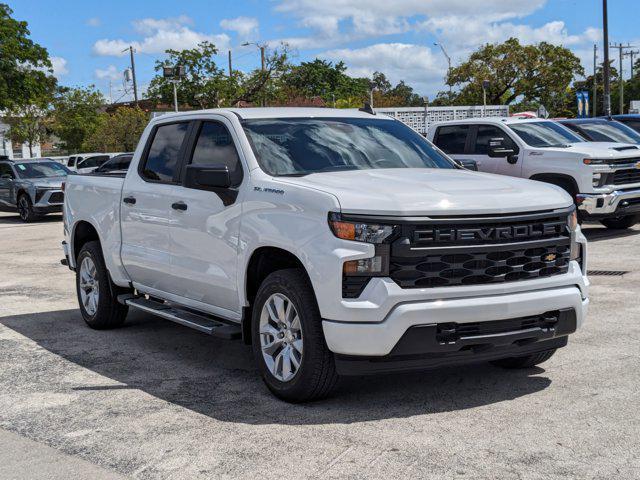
200,322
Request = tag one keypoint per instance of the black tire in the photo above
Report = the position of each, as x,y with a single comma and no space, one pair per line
25,209
527,361
109,312
621,223
316,376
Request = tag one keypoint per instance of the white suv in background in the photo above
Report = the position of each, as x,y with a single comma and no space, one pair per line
603,178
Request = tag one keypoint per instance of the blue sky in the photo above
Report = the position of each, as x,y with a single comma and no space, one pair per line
85,38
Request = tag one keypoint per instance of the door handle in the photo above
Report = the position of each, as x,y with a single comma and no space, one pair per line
129,200
179,206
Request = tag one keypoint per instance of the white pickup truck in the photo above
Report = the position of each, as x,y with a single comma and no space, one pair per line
335,242
602,177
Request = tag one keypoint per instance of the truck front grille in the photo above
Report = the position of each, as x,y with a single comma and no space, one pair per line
473,251
622,177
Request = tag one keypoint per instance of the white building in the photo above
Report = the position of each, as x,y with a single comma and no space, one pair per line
15,151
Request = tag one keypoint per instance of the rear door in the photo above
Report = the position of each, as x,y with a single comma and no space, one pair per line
6,184
146,208
453,140
204,230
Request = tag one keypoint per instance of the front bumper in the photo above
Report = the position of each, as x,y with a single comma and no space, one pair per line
49,201
615,204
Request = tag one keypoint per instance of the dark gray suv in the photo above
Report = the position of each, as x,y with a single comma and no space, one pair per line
31,187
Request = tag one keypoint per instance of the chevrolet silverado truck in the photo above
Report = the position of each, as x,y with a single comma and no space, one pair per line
334,242
602,177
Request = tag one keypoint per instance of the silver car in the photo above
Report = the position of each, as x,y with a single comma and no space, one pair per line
31,187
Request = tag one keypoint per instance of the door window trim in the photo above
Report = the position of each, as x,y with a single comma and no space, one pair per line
181,153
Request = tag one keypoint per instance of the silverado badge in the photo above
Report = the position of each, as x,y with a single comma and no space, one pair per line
550,257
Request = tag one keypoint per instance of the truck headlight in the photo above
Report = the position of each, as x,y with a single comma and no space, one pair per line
359,231
376,233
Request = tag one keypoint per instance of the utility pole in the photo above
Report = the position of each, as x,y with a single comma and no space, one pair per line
444,52
133,75
263,66
607,80
230,69
595,79
621,53
631,54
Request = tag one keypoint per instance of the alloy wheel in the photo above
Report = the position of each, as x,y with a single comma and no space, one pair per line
89,286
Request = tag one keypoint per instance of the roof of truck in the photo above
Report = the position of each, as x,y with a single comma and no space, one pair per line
282,112
493,120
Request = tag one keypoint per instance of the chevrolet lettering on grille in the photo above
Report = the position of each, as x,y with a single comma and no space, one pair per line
517,232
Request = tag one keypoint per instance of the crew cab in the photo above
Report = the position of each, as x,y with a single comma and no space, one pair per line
602,177
335,242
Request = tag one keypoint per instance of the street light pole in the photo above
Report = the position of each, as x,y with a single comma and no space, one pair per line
133,73
595,80
263,67
607,81
444,52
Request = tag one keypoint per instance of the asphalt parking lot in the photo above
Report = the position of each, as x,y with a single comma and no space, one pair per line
156,400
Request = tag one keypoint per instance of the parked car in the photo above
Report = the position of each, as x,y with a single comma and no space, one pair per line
74,159
31,187
602,130
119,163
335,242
88,162
603,178
631,120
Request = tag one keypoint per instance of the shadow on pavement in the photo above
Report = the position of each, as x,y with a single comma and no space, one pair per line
595,233
217,378
10,219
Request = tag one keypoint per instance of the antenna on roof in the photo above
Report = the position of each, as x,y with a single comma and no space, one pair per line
367,109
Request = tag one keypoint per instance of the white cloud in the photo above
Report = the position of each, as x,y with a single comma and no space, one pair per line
59,65
245,27
109,73
160,35
93,22
417,65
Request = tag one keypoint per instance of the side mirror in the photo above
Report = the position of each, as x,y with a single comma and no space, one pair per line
209,177
498,150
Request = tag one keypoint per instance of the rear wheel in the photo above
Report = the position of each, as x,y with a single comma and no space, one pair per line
620,223
527,361
288,343
97,295
25,209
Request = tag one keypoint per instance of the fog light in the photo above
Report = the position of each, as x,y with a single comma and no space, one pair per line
364,267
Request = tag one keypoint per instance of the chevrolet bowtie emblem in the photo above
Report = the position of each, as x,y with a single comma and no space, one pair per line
550,257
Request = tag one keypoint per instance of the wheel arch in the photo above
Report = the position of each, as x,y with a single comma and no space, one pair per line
262,262
560,180
83,232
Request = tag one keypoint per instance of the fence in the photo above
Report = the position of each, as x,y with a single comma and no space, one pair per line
415,116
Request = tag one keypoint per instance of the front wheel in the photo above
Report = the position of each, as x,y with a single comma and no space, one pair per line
97,295
25,209
527,361
288,344
620,223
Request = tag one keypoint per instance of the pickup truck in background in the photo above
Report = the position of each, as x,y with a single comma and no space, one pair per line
334,242
602,177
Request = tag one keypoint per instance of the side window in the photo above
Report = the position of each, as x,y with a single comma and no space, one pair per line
452,139
5,169
163,155
93,162
484,136
215,147
72,162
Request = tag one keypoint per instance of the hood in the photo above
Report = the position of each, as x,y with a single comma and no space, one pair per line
418,191
595,149
47,182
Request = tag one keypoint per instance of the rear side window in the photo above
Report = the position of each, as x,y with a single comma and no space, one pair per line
484,136
93,162
452,139
215,147
72,161
163,155
5,169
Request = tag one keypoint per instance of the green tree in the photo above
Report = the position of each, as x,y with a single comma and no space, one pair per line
322,78
118,131
76,115
539,73
29,124
25,68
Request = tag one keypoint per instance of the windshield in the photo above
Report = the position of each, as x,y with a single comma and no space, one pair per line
41,169
544,134
606,131
300,146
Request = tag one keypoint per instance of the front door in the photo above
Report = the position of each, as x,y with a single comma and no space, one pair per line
204,229
146,211
482,135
